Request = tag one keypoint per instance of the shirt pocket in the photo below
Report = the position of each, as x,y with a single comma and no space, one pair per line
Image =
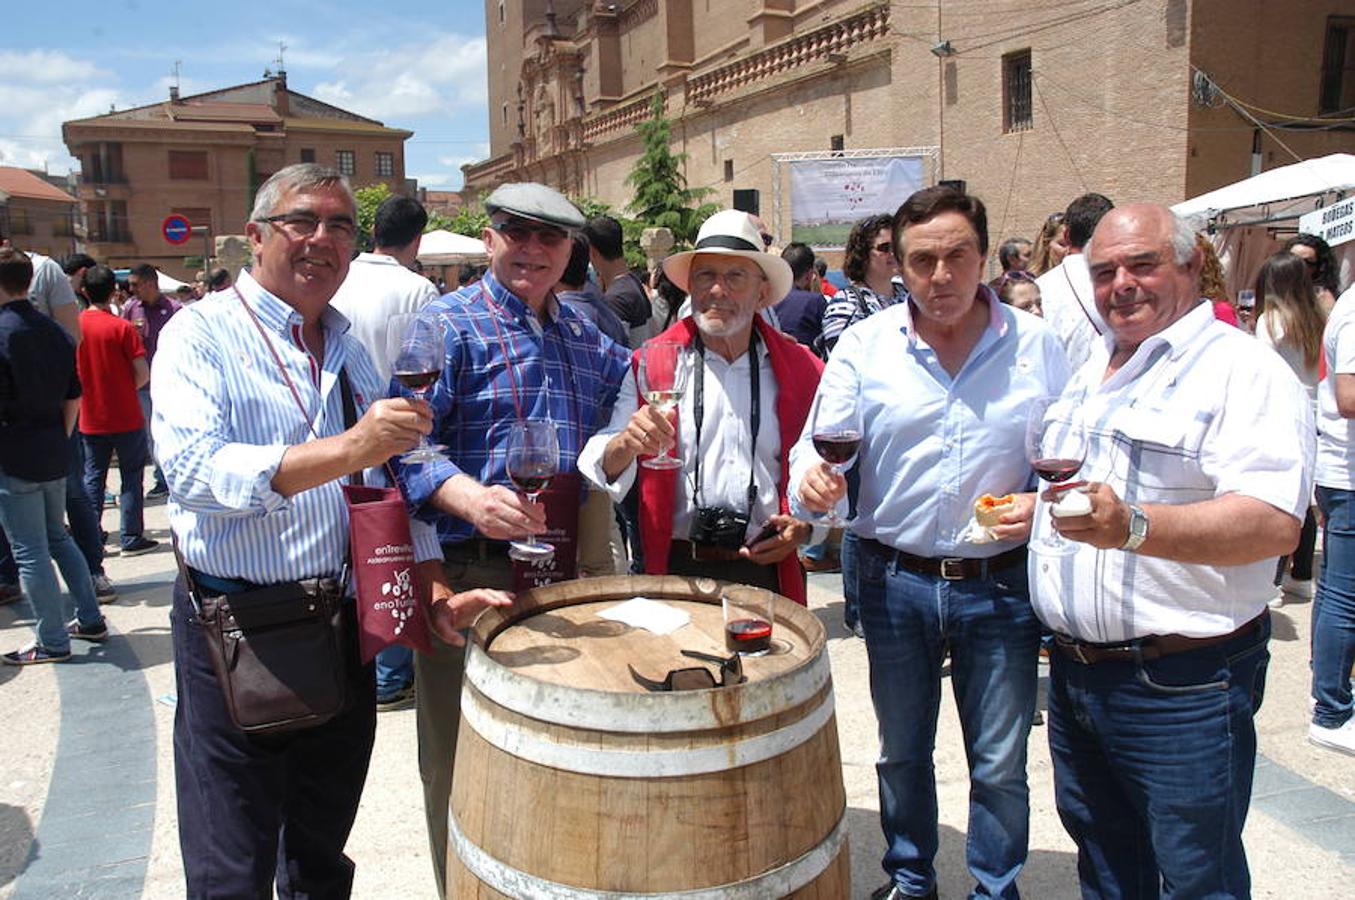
1158,456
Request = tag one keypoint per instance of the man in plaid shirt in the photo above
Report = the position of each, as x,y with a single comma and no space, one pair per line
513,353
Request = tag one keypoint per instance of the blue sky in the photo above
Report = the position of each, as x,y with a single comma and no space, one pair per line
421,68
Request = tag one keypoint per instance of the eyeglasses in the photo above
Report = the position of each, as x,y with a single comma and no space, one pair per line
883,247
520,233
733,279
303,225
696,678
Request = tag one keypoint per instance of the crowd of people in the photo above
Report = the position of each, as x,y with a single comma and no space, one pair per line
1148,583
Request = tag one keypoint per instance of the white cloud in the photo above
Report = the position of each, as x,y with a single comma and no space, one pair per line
46,67
441,75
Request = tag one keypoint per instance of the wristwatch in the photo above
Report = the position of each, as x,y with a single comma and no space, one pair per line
1138,529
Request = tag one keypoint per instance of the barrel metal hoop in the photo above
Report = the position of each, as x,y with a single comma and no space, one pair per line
779,882
529,745
644,713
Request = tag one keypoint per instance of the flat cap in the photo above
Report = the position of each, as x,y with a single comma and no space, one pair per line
529,200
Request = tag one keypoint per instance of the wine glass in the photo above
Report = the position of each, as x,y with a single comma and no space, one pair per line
663,378
533,460
415,346
835,428
1056,445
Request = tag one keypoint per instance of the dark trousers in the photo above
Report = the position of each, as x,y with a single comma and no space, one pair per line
131,449
9,569
81,515
255,810
738,571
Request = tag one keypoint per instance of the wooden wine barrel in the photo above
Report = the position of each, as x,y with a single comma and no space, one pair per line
573,782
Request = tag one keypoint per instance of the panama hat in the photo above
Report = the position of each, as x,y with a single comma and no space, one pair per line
732,233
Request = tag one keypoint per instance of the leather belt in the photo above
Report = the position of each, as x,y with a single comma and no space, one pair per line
475,550
958,568
1149,648
705,552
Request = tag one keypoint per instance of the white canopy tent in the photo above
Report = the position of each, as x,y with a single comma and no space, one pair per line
444,248
1243,218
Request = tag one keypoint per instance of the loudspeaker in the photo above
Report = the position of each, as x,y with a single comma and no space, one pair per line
748,200
956,183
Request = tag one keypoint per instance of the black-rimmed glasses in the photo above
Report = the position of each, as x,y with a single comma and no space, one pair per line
301,224
695,678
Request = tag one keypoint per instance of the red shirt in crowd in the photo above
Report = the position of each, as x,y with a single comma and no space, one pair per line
109,404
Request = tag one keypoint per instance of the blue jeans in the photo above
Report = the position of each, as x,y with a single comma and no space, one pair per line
394,669
1153,767
143,396
82,515
31,514
993,636
131,450
1334,610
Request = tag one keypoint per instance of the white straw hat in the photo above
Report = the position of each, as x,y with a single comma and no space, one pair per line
732,233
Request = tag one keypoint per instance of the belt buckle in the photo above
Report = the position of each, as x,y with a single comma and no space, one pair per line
1073,647
952,568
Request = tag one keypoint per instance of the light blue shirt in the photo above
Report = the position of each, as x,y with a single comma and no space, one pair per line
223,419
934,444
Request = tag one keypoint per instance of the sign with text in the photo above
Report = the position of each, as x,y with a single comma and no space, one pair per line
1335,224
828,196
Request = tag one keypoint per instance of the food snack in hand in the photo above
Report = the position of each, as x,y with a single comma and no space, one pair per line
989,510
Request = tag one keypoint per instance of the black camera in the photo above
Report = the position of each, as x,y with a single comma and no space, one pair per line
716,527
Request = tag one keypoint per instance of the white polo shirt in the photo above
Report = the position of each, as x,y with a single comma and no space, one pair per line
1335,462
1070,308
377,288
1196,413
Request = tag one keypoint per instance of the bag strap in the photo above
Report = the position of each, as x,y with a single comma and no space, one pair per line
350,415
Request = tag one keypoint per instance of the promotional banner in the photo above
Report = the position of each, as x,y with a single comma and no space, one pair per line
1335,224
829,195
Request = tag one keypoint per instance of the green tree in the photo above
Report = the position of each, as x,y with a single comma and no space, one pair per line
369,198
662,198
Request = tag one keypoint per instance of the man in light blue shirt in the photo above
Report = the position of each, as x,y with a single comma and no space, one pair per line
944,382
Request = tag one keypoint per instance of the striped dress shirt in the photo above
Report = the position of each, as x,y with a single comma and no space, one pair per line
567,371
223,419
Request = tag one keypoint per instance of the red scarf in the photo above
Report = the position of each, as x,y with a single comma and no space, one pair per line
797,372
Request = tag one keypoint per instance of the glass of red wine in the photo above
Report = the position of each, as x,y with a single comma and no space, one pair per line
663,372
533,460
1056,445
416,346
836,429
748,621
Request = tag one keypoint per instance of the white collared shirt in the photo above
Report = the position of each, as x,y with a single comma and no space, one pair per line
726,436
1069,307
377,288
1197,412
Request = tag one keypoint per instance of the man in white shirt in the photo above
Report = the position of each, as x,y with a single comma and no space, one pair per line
1199,454
380,287
735,424
1334,608
1066,289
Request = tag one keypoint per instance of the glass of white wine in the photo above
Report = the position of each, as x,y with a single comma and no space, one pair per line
663,374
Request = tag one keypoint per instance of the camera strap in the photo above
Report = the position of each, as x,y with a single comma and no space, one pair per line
699,412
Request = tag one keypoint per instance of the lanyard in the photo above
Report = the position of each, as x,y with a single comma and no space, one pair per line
699,412
512,378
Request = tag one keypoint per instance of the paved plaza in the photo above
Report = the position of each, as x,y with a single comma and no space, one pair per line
87,786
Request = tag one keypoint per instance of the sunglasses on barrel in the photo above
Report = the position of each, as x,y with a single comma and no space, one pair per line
695,678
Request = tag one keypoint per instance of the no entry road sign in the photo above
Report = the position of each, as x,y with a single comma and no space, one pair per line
176,229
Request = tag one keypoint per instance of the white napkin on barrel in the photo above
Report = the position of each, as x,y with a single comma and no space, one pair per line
650,615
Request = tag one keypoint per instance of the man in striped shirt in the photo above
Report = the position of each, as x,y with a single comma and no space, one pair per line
513,353
256,499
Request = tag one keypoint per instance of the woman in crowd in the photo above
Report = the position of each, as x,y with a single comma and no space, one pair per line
1050,247
1018,288
870,267
1317,255
1290,319
1213,285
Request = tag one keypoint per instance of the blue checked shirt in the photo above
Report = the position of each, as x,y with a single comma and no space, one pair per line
566,371
223,419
